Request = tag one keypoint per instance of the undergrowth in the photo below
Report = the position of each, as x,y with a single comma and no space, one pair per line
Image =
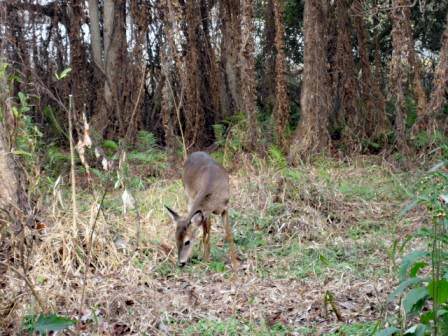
300,233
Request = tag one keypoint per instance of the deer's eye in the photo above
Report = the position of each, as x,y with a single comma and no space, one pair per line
187,242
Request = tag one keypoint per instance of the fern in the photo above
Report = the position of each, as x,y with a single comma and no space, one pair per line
277,158
218,131
146,141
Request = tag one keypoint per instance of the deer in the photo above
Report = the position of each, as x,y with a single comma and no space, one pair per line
206,184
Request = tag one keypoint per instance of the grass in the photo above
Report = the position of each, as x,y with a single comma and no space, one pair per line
234,327
329,226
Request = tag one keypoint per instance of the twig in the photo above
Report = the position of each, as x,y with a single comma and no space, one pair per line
178,107
89,252
137,101
29,284
72,162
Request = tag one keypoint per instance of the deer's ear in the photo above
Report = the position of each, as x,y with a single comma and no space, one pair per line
197,218
173,214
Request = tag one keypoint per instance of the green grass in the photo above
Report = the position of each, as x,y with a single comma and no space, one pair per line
349,236
356,329
234,327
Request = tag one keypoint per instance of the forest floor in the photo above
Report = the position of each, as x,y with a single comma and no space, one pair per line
317,246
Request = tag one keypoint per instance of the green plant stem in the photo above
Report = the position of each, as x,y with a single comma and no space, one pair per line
435,272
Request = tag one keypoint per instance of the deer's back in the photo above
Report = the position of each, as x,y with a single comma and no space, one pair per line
204,177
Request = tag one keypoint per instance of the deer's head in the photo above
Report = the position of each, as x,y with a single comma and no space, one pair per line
186,233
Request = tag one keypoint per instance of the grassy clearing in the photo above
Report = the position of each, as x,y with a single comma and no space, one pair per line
326,227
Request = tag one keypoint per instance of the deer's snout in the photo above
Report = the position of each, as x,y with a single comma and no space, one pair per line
182,263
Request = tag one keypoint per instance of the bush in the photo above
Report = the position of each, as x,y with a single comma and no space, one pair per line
423,273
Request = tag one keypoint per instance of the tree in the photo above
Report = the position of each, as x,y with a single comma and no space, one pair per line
374,103
428,121
350,116
281,108
312,135
230,83
11,193
247,70
404,70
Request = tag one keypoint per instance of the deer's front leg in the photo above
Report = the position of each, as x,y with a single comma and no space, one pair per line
229,239
206,228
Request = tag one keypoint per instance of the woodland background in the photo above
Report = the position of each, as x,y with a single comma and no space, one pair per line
363,76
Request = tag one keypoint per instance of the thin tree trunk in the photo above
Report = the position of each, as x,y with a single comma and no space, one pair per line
95,34
269,57
247,69
167,104
230,43
382,124
312,133
400,68
366,83
193,116
114,62
281,109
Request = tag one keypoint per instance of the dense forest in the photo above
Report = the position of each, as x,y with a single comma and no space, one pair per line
330,116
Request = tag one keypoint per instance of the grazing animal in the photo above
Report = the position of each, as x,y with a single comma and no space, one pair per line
206,184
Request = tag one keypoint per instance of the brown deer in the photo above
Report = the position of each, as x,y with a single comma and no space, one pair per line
206,184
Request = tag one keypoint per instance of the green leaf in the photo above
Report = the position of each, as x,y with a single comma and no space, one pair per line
63,74
22,98
24,109
438,290
324,260
15,112
416,330
21,152
402,287
427,317
414,298
47,323
409,260
387,332
110,144
416,268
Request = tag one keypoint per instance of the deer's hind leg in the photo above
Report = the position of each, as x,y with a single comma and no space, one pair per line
206,229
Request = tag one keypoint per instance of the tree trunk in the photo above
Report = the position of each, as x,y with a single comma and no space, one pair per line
366,83
382,123
78,60
400,68
281,108
9,184
428,121
167,108
230,43
376,123
95,35
247,70
8,180
114,63
268,70
312,136
350,116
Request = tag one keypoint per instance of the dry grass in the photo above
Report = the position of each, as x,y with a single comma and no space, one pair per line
301,233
